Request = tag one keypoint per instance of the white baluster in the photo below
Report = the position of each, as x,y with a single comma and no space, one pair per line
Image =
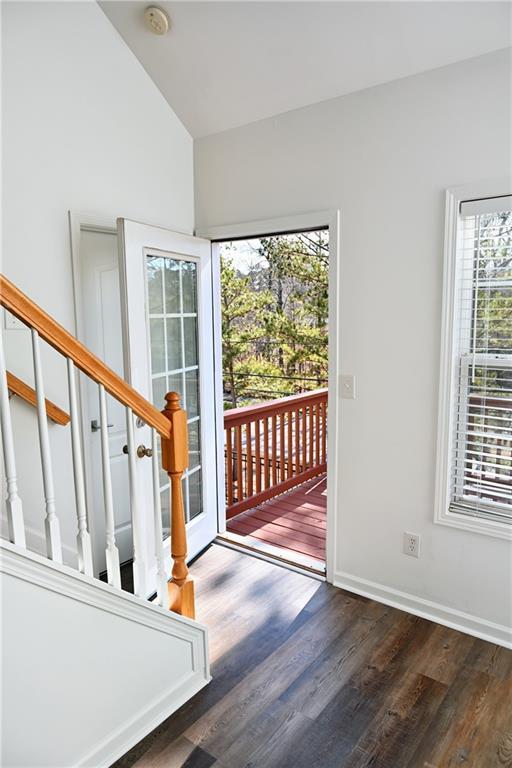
111,552
83,538
139,565
51,523
13,502
161,579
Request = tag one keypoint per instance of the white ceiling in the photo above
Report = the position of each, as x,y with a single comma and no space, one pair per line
224,64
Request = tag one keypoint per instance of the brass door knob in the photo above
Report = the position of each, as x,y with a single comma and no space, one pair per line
141,451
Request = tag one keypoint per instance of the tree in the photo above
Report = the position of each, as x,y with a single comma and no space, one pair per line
276,329
241,321
492,331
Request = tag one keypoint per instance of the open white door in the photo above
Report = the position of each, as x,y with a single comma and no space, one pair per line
166,299
102,333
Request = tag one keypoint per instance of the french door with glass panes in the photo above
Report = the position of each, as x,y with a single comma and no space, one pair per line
167,310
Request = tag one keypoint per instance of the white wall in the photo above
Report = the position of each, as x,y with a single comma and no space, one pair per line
384,157
86,672
84,128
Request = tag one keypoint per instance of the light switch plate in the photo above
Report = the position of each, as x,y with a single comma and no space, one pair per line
348,387
12,323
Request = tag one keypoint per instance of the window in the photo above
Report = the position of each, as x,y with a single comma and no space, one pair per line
173,321
475,461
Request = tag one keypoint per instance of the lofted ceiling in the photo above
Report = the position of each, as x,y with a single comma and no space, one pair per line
225,64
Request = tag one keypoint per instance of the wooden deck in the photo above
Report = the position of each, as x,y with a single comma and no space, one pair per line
294,521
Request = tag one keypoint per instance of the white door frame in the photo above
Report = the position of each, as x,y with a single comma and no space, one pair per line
288,224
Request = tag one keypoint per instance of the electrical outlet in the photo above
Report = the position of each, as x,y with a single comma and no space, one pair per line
412,544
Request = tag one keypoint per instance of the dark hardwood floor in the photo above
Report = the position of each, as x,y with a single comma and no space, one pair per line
309,676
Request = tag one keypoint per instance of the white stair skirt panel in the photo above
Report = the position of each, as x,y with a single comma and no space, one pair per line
87,670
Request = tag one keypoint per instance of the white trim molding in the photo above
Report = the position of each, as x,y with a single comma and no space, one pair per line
20,564
442,515
499,634
149,718
329,219
48,574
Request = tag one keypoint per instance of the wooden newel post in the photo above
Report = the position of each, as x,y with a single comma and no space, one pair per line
175,462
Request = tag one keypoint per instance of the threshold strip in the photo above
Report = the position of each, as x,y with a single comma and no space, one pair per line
232,541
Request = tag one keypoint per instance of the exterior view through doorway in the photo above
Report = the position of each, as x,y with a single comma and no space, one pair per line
274,304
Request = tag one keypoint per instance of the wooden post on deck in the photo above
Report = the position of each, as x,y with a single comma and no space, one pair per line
175,462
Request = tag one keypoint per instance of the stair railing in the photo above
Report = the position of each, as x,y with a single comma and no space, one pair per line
170,426
18,387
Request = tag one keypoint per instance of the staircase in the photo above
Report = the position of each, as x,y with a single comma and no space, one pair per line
89,669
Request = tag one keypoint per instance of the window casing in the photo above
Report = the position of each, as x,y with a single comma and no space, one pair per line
474,470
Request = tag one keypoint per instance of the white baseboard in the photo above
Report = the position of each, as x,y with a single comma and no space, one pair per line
427,609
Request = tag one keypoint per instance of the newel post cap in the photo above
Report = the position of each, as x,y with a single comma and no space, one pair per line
175,450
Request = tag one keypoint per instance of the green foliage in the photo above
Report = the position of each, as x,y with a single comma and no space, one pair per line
492,332
242,322
258,380
274,319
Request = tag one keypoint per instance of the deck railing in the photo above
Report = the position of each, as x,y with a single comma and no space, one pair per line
272,447
486,456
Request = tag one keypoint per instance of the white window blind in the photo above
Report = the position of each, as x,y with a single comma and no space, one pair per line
481,467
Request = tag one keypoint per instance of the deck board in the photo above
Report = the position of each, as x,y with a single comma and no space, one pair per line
296,520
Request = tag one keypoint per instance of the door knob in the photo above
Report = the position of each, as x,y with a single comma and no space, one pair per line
141,451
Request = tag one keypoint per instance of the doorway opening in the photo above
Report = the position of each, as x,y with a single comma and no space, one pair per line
161,330
274,298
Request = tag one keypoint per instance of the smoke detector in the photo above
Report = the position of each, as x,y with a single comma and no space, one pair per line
156,20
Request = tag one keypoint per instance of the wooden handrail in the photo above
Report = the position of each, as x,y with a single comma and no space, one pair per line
28,394
272,447
236,416
54,334
171,425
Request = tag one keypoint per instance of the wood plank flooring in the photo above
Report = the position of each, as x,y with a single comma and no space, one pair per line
309,676
295,520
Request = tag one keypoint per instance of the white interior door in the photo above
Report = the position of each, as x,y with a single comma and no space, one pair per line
102,333
166,303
